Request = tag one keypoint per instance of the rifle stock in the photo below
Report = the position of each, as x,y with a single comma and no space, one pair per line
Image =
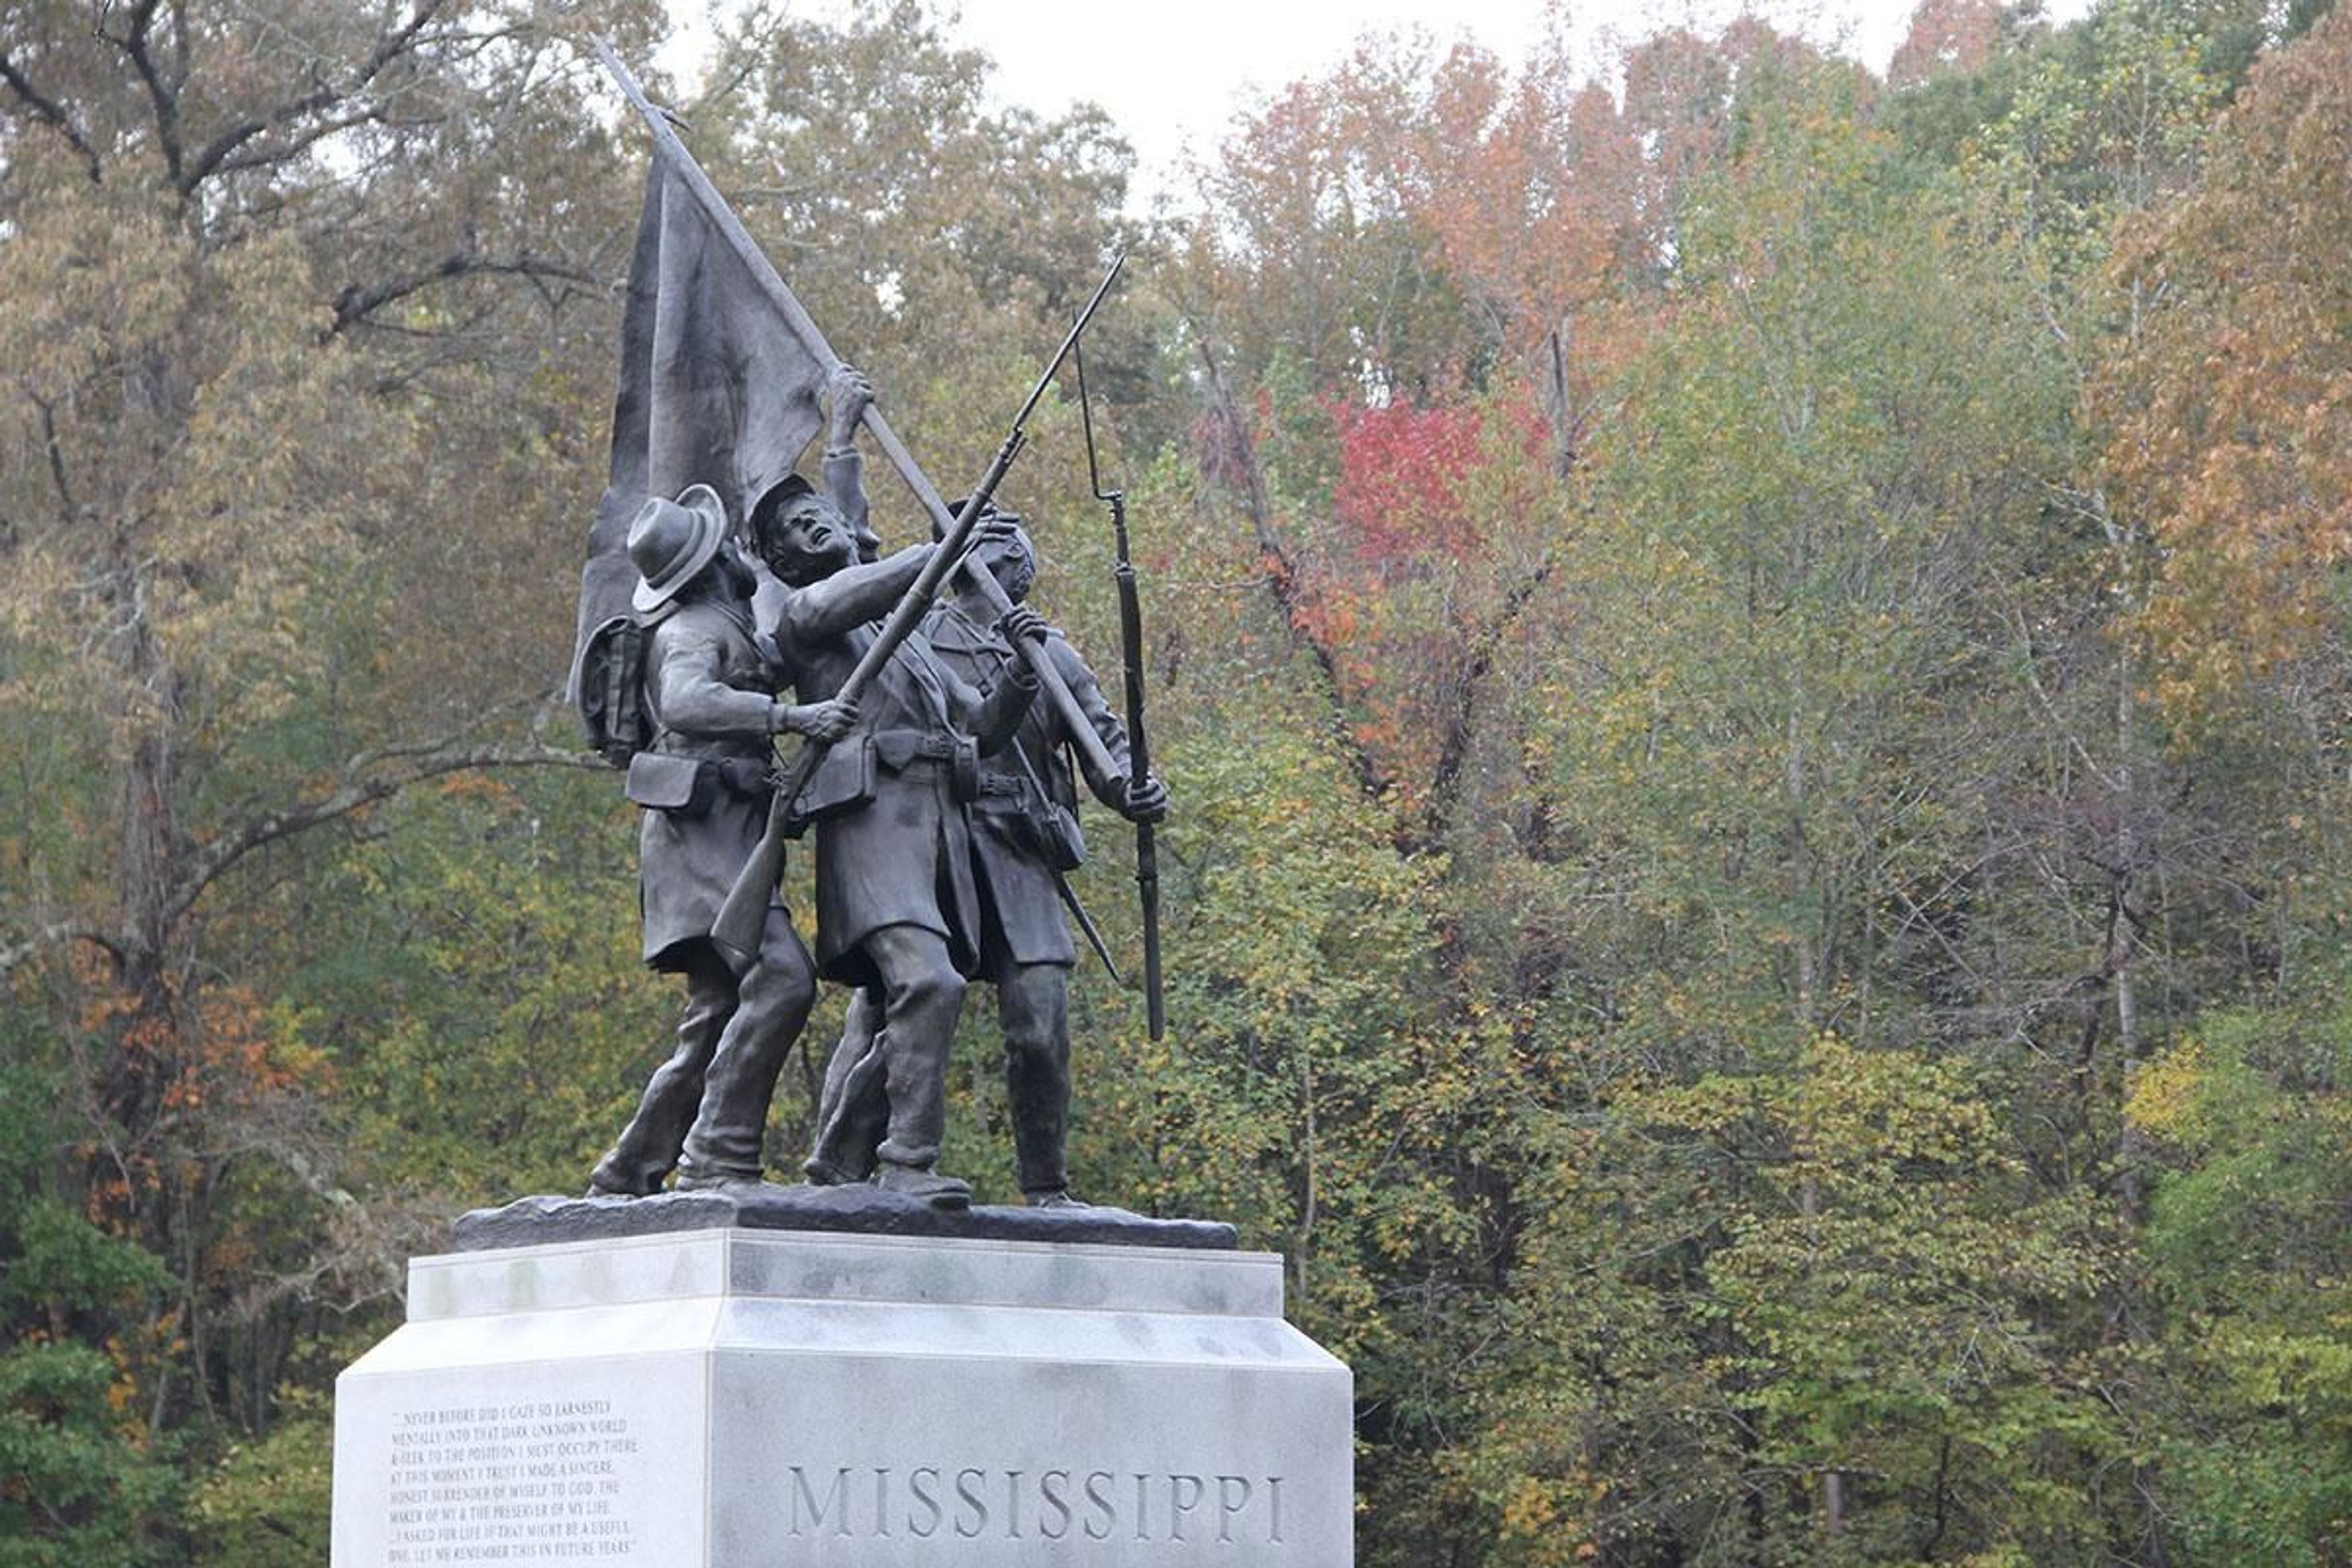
743,918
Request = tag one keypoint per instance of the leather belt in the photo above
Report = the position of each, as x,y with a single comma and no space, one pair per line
897,748
741,772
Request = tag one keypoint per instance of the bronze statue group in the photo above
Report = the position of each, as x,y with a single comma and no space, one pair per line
942,812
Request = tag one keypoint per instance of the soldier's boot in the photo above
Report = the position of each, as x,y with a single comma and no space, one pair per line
923,1182
824,1172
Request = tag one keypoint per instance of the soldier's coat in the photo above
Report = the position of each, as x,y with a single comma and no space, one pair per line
904,858
709,684
1021,910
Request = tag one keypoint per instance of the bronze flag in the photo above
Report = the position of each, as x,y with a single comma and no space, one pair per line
716,387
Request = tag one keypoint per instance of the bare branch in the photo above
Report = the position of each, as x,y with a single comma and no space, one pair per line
134,42
387,774
179,45
54,449
1454,746
392,47
51,113
43,938
1278,568
354,303
263,157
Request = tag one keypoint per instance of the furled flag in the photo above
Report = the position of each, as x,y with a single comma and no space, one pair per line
716,387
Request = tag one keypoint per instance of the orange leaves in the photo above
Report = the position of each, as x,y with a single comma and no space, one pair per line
184,1072
2229,410
237,1057
230,1053
1946,37
1399,583
485,788
1413,223
1533,203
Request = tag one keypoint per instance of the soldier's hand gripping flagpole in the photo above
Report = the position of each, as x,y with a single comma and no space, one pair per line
1139,745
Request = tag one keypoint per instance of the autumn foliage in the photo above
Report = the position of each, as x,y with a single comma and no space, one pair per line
1749,652
2231,400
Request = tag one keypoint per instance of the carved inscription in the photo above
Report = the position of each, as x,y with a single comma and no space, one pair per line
544,1481
1111,1509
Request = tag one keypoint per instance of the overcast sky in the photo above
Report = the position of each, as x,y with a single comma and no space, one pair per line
1175,73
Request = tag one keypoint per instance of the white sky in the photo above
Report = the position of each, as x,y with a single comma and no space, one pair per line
1175,73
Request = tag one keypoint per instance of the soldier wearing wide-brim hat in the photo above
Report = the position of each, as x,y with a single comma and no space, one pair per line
703,784
670,540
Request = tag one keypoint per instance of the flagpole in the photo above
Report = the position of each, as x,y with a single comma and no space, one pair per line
739,239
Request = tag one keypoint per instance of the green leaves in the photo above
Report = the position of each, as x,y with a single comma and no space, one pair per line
265,1504
1755,1036
89,1480
2245,1237
80,1491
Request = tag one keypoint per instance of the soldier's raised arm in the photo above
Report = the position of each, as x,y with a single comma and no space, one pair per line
851,596
848,394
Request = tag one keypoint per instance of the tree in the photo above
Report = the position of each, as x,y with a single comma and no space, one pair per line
1315,1083
1773,745
1948,37
907,215
2227,410
2248,1117
88,1480
263,347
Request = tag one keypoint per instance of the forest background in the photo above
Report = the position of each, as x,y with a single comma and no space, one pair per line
1750,657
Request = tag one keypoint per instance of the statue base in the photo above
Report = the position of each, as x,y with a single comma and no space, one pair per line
854,1209
736,1397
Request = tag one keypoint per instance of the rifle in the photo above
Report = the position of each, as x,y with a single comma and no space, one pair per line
1139,745
730,229
743,917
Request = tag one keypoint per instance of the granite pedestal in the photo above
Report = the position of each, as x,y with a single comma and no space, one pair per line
742,1398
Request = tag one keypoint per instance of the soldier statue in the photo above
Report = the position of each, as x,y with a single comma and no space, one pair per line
703,788
896,908
709,678
1023,838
